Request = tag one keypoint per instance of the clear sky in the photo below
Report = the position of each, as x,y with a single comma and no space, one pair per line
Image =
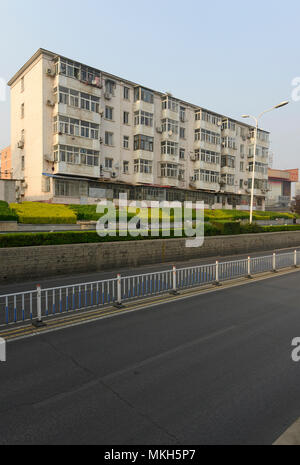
230,56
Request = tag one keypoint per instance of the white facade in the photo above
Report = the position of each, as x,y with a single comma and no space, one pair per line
79,134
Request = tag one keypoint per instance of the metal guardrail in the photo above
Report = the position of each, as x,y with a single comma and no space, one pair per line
41,303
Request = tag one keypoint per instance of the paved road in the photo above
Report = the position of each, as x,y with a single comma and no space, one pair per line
73,279
212,369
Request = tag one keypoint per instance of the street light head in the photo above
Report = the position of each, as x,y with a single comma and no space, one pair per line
282,104
245,116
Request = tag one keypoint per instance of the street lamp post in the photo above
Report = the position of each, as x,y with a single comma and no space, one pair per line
257,119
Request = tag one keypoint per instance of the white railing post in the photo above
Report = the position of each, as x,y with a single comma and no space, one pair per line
38,323
119,304
274,263
217,283
249,268
2,350
295,259
174,274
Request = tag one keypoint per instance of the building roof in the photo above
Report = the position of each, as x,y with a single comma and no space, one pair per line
284,175
53,55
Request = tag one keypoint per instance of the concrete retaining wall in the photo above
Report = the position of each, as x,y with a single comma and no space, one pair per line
36,262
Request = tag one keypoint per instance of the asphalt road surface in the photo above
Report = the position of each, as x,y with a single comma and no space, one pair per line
211,369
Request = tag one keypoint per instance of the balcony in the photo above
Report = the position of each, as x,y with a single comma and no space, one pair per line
77,170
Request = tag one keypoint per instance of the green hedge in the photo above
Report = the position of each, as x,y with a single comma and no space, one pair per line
60,238
228,227
231,215
290,227
43,213
85,237
6,214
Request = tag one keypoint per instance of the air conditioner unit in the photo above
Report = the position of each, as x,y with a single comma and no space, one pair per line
159,130
50,103
114,175
49,157
101,140
193,157
20,144
50,72
244,138
107,95
25,186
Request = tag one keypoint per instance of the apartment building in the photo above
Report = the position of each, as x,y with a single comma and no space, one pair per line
79,135
280,188
6,166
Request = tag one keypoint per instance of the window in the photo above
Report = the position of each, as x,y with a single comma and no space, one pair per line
22,110
169,125
126,142
182,114
76,155
169,148
108,163
126,93
228,179
143,118
74,98
241,184
182,133
207,136
109,112
168,170
78,99
258,184
143,94
170,104
143,166
261,168
229,143
228,161
77,71
85,102
144,143
22,84
207,176
125,167
208,157
110,86
181,174
23,163
66,188
207,117
109,138
229,125
182,154
126,117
